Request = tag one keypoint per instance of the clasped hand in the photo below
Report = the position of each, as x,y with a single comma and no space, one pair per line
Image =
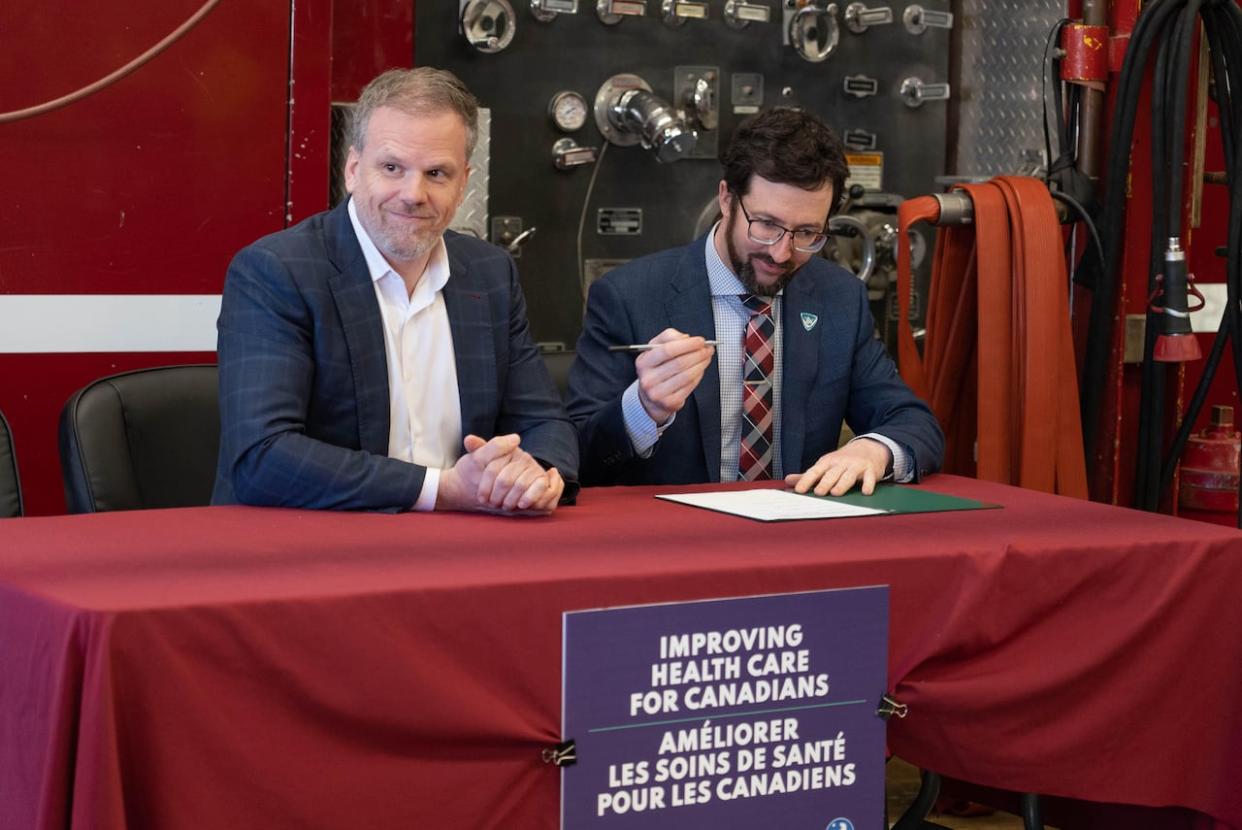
497,476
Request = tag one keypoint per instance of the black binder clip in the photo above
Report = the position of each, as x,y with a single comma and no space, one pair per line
889,707
563,754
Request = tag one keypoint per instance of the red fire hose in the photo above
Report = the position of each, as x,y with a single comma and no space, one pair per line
998,364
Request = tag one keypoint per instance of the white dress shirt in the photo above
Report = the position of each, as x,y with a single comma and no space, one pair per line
731,318
424,425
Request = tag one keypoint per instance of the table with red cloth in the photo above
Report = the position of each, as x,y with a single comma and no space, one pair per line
245,667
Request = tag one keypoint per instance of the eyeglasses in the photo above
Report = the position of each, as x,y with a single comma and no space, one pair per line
766,232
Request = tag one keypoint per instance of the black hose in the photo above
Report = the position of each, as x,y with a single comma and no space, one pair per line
1222,23
1165,32
1100,337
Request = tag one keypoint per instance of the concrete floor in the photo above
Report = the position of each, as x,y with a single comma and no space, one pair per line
901,785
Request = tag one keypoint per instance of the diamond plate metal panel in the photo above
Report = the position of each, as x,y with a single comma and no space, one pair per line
1002,48
471,217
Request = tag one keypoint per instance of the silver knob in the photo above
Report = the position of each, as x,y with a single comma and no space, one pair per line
545,11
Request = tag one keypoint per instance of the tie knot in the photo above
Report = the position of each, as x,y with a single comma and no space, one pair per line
757,304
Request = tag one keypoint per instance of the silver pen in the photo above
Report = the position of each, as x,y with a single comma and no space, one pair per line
646,347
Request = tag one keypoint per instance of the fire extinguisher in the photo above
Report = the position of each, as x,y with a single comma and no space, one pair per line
1210,471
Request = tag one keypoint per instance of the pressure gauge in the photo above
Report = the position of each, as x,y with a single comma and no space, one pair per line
568,111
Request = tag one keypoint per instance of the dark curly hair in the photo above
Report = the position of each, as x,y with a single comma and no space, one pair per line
786,146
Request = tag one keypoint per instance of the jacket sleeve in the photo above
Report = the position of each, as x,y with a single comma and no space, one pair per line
267,356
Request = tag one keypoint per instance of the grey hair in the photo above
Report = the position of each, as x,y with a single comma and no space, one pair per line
420,91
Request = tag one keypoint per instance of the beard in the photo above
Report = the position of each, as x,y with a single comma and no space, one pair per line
397,242
745,269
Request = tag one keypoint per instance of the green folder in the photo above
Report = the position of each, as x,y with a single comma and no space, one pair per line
895,498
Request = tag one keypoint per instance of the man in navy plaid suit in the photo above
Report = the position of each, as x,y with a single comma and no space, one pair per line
372,360
795,351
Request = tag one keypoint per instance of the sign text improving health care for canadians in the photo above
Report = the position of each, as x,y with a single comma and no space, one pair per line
727,713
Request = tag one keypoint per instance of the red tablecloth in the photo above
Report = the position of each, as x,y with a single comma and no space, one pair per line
240,667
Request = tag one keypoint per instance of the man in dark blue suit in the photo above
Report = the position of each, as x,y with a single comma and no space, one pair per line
369,358
795,353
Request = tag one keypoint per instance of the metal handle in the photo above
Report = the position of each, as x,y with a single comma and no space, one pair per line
545,11
515,247
702,105
740,14
677,12
859,18
567,154
614,11
919,19
914,92
860,230
814,32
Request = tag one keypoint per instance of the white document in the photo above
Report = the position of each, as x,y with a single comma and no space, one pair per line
771,505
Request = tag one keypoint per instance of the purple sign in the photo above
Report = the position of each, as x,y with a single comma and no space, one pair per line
731,713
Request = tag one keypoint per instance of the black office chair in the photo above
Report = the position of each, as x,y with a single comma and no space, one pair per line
10,485
558,364
141,439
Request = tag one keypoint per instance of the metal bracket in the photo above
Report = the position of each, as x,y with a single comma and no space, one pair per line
890,706
564,754
860,139
860,86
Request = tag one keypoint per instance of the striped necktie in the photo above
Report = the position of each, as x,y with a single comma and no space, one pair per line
755,455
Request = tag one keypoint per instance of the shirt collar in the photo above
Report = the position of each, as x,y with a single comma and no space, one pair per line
435,276
720,277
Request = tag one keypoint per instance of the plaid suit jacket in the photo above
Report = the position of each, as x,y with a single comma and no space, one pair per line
304,399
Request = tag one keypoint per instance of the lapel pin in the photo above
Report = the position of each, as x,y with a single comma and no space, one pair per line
809,320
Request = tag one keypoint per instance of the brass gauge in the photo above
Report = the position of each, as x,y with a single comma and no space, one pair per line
568,111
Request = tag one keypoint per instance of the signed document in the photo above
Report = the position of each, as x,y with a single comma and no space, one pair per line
768,505
772,505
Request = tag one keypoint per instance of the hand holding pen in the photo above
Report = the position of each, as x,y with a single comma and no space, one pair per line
669,368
